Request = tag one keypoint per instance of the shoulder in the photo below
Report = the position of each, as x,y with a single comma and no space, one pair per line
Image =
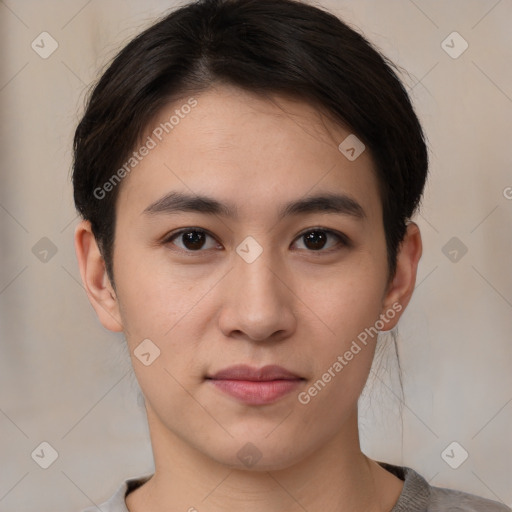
449,499
419,496
117,503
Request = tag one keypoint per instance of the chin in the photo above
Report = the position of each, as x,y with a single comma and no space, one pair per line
259,455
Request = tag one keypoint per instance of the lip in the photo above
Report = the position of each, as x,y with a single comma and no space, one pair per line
245,372
256,386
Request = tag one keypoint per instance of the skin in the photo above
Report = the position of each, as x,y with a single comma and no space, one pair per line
292,306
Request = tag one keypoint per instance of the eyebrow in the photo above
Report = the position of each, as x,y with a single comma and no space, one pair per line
176,202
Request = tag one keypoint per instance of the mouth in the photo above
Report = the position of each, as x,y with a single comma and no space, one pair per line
256,386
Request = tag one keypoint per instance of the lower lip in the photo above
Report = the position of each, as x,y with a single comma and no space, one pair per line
256,393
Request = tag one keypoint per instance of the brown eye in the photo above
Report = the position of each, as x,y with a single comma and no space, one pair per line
315,240
191,240
318,239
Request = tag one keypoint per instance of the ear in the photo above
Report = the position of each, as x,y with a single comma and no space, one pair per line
95,279
399,291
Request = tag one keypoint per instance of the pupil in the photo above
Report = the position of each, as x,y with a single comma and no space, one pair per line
315,240
193,239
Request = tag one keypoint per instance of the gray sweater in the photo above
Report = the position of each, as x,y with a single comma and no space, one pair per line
417,496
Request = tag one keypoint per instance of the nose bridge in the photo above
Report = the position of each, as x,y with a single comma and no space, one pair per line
256,270
260,304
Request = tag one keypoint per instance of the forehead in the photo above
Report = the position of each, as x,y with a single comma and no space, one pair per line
243,148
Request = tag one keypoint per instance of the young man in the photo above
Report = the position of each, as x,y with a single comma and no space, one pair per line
247,171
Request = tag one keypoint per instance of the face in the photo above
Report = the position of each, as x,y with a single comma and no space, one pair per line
239,278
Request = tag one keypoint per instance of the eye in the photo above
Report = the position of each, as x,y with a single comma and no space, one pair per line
192,239
317,239
314,240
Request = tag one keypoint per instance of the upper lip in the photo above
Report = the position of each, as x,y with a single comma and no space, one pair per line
245,372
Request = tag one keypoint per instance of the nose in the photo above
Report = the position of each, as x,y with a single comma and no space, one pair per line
258,300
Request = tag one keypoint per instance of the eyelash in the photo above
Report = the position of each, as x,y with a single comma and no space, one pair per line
343,240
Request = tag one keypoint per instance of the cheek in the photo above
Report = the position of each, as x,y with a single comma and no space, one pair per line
348,305
168,311
153,300
343,357
345,300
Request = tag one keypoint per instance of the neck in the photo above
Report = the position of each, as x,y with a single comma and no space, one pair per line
334,476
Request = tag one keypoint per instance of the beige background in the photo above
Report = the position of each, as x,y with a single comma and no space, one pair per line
67,381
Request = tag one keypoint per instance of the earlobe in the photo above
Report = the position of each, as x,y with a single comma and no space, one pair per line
400,290
99,290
